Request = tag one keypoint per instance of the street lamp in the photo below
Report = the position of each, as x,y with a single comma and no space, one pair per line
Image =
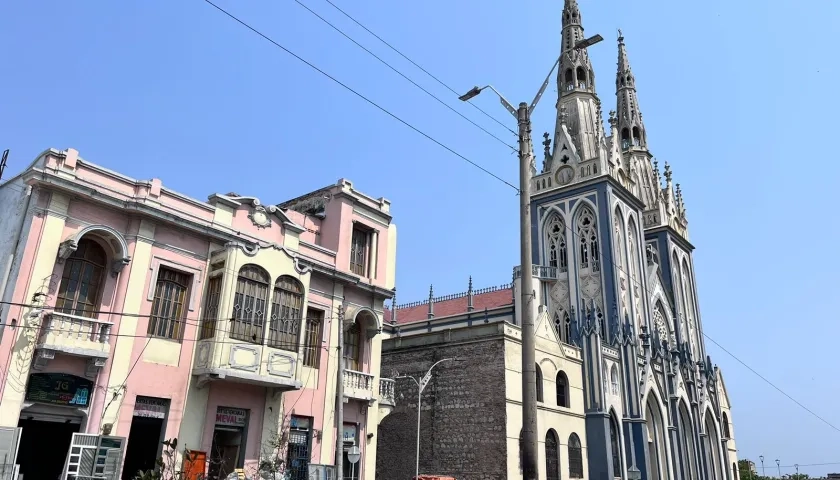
779,466
763,473
421,385
529,375
796,465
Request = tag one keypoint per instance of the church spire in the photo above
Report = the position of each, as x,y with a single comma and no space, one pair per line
630,126
576,88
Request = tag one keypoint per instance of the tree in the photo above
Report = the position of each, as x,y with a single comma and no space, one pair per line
745,472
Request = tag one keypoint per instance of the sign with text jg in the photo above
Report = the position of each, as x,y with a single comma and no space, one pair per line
231,417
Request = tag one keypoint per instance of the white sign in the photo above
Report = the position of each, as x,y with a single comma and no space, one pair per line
231,417
349,433
150,407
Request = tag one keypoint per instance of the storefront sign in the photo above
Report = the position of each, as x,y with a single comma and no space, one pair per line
59,389
150,407
231,417
349,433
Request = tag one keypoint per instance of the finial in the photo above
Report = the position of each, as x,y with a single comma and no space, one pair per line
469,289
470,306
547,144
613,120
431,292
564,114
394,307
431,302
668,173
620,36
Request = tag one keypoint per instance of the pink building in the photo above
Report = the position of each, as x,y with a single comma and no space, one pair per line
134,311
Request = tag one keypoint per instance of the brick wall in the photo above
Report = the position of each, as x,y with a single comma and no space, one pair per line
462,421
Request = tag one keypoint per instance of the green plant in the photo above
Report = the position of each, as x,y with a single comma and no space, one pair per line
166,467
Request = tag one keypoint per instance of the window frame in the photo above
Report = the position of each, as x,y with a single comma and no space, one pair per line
539,382
283,330
552,451
366,233
79,257
313,337
210,312
173,324
575,456
353,362
562,388
250,328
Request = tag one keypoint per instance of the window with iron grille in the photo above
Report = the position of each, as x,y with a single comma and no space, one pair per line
286,307
298,450
249,305
359,251
312,337
211,308
575,457
351,347
167,319
81,280
552,456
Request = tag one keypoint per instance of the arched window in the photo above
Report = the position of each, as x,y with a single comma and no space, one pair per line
569,79
556,244
575,457
725,421
249,304
81,280
552,456
614,380
167,319
637,136
352,350
563,326
734,471
581,77
661,325
625,139
286,308
562,389
587,233
539,383
689,462
615,440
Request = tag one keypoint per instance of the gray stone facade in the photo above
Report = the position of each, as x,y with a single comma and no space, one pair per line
462,421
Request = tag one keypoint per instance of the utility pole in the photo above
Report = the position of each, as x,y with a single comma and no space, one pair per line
339,400
526,166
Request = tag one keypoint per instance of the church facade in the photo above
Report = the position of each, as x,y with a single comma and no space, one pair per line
625,386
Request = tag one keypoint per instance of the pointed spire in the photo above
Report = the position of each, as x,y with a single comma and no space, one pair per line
470,306
631,127
431,302
394,307
623,61
656,172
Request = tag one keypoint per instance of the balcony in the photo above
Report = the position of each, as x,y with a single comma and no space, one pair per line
540,271
358,385
222,358
75,335
387,391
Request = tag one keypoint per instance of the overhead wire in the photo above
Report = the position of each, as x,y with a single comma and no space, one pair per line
435,78
360,95
316,14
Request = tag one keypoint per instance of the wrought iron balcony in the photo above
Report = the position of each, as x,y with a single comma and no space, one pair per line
358,385
387,391
539,271
75,335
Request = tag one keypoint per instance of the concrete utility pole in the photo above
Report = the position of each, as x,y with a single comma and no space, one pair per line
526,168
339,400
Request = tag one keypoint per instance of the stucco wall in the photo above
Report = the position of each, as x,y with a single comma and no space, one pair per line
463,413
13,201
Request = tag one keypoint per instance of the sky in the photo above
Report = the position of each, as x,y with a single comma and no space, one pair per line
735,96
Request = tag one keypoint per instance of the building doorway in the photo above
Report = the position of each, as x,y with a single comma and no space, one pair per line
228,450
43,447
146,435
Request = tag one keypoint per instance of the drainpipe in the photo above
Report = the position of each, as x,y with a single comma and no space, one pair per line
11,259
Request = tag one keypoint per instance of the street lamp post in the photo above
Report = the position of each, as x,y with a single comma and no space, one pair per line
763,473
526,159
421,385
779,466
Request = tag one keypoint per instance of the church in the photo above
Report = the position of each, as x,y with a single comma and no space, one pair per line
625,388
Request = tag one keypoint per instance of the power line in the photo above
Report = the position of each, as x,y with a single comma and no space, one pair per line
351,90
403,75
416,64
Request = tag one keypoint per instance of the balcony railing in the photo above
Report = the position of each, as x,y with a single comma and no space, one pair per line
539,271
387,389
358,385
75,335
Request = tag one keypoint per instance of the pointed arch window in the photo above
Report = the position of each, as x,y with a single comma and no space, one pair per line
569,79
614,445
581,77
539,383
614,380
587,233
249,304
562,384
575,457
625,139
81,280
557,249
563,326
286,308
725,421
552,456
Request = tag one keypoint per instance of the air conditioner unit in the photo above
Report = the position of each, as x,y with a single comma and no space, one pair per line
321,472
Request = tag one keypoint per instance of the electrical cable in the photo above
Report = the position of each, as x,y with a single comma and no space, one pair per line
404,75
417,65
355,92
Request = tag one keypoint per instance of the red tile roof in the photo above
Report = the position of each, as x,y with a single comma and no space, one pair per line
447,306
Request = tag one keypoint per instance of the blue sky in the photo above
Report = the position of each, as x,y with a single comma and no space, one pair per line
739,97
